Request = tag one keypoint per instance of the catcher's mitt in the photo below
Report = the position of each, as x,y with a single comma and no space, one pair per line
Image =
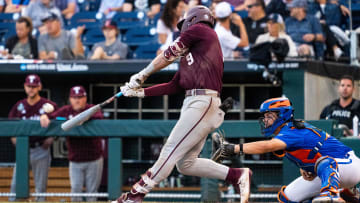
221,149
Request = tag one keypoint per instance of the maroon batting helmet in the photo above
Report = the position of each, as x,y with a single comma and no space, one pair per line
196,15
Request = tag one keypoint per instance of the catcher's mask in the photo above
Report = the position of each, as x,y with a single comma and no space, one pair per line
196,15
283,109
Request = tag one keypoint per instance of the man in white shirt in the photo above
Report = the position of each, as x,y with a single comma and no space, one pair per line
228,41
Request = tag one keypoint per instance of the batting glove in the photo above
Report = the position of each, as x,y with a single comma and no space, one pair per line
129,92
137,80
221,149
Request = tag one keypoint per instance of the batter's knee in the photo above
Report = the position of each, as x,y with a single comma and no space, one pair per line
282,198
183,166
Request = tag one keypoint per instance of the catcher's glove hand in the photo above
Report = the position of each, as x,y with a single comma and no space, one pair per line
221,149
227,104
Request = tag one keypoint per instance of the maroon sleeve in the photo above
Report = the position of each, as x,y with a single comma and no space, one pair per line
62,112
171,87
12,113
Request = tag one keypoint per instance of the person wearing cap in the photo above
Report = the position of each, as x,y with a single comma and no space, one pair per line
58,43
305,30
23,44
228,41
31,108
112,48
37,10
84,153
276,29
256,21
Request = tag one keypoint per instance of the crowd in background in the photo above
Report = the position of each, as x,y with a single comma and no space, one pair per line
311,28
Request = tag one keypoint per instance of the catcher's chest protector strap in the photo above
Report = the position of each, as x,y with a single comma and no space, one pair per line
319,144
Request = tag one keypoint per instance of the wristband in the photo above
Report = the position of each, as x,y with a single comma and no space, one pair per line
241,152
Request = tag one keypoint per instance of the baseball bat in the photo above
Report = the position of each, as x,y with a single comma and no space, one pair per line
85,115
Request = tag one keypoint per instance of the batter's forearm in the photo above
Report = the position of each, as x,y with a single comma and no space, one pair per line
162,89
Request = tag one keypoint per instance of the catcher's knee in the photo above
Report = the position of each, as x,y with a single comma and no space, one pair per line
325,162
282,198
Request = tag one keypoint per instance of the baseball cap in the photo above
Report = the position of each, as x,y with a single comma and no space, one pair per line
77,91
276,18
32,80
223,10
297,4
50,16
109,24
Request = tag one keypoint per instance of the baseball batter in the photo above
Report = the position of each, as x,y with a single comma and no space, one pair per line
85,153
325,163
31,108
200,77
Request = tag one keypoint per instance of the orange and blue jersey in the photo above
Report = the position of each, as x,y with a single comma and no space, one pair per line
304,146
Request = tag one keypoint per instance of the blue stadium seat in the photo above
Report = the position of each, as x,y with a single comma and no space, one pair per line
93,36
9,17
140,36
146,51
128,20
89,19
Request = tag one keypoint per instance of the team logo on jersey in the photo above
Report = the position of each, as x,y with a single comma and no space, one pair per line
21,108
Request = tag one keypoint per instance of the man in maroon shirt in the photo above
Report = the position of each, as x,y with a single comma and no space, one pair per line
200,77
31,108
85,154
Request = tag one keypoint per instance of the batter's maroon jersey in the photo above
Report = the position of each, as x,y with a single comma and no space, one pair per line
81,149
202,66
23,110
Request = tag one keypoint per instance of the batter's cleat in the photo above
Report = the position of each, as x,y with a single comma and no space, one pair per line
243,183
130,198
328,197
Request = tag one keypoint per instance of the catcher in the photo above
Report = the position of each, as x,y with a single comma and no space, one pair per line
325,163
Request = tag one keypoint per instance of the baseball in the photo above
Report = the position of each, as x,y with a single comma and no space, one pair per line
48,108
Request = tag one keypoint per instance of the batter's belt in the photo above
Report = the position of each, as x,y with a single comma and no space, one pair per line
195,92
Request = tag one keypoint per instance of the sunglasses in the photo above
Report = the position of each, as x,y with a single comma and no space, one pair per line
252,5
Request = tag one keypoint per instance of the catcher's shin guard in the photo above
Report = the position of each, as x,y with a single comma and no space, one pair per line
282,198
327,170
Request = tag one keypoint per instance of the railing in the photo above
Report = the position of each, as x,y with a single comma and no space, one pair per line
115,130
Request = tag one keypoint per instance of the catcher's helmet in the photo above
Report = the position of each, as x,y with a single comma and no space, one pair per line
196,15
282,106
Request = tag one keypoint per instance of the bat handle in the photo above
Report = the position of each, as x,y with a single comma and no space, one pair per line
119,94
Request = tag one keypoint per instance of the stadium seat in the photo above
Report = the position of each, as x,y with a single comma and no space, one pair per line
89,19
128,20
146,51
6,30
9,17
92,36
140,36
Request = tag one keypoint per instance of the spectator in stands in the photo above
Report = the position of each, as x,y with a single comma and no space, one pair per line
13,8
59,43
255,23
331,20
31,108
85,154
110,7
276,30
39,9
228,41
151,7
22,45
166,25
112,48
346,107
304,29
2,5
67,7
